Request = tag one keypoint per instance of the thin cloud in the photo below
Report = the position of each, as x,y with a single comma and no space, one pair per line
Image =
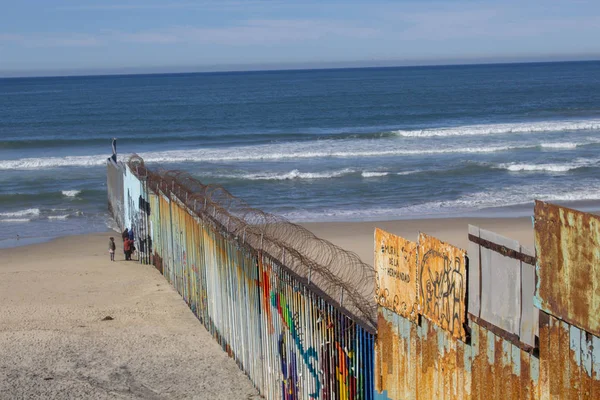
203,5
46,40
253,32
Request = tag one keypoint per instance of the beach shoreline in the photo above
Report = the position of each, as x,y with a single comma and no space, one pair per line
75,325
357,236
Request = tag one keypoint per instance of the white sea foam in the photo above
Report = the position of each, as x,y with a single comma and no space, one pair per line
15,220
53,162
34,212
294,174
504,197
367,174
567,145
350,148
322,149
523,167
71,193
415,171
60,217
499,129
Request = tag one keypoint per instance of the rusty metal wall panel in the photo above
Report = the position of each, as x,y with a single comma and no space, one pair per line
528,329
474,272
442,284
390,362
500,284
396,274
425,362
567,243
596,367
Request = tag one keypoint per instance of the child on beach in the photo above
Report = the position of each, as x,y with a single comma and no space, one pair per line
111,248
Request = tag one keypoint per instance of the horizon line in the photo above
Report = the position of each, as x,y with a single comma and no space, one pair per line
274,67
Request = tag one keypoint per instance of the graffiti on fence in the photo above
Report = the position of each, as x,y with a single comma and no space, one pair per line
396,274
442,284
280,304
291,338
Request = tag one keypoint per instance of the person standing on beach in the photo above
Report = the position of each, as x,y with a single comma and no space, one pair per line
127,249
111,248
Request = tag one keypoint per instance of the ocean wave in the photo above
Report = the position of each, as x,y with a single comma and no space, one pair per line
34,212
523,167
15,220
294,174
247,153
566,145
367,174
285,151
411,172
59,217
71,193
468,203
500,129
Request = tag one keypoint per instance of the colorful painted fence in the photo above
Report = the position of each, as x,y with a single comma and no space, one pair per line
511,349
293,325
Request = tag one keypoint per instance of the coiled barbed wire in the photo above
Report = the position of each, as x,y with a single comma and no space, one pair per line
337,272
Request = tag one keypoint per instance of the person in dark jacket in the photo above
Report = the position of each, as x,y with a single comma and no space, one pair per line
111,248
125,234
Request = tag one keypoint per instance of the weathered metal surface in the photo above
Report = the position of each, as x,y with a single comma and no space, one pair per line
291,341
442,284
474,274
396,274
528,329
425,362
567,243
505,250
500,284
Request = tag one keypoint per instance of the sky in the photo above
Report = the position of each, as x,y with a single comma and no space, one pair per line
93,36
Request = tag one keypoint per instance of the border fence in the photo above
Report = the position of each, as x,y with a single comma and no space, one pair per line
297,313
499,324
291,309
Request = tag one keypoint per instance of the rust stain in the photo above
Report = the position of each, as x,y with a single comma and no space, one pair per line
396,274
384,356
555,370
442,284
567,243
525,384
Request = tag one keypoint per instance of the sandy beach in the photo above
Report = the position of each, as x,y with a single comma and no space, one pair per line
358,236
55,343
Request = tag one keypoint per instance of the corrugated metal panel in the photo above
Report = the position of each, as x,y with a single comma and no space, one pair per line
426,362
474,272
442,284
529,314
396,274
500,284
567,243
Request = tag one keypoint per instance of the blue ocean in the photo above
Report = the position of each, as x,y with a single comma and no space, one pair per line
310,145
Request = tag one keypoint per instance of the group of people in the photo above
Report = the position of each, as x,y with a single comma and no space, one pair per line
128,245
